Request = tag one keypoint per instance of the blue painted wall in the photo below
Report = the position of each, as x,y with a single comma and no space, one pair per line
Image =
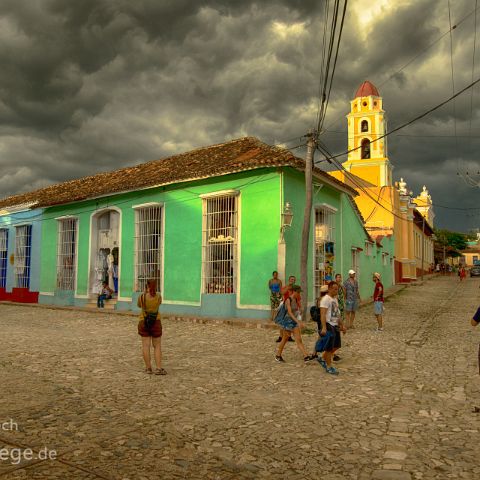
34,218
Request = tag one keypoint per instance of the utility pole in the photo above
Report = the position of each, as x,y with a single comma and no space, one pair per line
311,143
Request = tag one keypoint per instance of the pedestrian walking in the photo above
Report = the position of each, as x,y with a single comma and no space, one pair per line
475,321
150,327
289,319
378,301
286,291
352,298
332,325
105,294
274,285
316,317
462,273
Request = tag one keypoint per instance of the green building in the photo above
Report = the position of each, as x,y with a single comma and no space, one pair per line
207,225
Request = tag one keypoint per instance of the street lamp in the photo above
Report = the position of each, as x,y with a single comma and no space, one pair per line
287,218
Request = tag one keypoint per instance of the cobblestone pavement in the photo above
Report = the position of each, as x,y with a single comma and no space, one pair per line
401,407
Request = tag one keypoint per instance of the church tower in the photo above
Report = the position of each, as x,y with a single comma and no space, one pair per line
366,124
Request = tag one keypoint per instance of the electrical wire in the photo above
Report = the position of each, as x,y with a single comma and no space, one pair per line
466,178
333,160
453,83
410,122
322,64
329,53
420,135
320,125
393,75
473,68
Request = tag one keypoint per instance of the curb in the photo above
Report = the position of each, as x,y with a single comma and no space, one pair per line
234,322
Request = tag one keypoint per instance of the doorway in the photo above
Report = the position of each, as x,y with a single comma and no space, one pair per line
105,251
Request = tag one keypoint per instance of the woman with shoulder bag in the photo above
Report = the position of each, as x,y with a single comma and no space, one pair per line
150,327
289,319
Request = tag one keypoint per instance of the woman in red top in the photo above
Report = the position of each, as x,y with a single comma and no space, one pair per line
378,301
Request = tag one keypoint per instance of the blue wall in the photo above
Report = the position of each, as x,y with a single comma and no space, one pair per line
34,218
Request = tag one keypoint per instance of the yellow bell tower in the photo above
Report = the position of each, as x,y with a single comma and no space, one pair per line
366,124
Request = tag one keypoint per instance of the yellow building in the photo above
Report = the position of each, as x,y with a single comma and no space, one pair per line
388,208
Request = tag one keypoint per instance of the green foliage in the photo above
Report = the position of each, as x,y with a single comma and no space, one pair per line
456,240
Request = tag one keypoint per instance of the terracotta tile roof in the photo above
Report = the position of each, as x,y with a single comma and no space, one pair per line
235,156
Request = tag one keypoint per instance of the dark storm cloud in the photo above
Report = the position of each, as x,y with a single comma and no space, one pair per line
96,85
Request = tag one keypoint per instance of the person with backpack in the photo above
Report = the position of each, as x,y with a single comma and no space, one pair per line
331,326
150,327
289,319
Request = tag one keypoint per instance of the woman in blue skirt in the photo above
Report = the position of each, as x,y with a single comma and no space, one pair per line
289,319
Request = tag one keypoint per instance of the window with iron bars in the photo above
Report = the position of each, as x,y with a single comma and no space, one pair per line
3,257
23,249
220,238
66,253
148,246
324,247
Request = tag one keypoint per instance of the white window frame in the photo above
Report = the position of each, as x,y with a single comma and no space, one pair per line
67,250
220,235
149,238
23,255
3,256
368,248
323,239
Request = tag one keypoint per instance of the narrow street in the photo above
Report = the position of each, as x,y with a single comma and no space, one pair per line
400,409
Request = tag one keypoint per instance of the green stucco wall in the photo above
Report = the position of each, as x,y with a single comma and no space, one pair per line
349,232
259,226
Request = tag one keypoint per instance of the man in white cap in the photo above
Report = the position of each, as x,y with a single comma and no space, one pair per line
378,301
352,298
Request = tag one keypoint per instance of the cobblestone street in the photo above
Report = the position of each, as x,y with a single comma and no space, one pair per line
400,409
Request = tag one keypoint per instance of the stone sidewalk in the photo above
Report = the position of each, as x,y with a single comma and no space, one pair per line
238,322
401,407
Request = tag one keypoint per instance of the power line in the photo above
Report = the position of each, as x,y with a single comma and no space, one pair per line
377,202
453,83
108,201
320,125
473,137
473,66
393,75
419,117
466,178
322,64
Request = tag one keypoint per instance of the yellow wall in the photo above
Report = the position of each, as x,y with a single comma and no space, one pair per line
371,174
469,258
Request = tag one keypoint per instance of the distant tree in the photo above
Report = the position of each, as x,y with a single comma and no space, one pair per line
447,238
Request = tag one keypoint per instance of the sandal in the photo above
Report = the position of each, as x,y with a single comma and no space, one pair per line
160,371
308,358
148,370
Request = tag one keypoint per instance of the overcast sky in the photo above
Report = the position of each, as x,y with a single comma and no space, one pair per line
94,85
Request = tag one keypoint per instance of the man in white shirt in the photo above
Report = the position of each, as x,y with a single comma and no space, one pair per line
331,321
